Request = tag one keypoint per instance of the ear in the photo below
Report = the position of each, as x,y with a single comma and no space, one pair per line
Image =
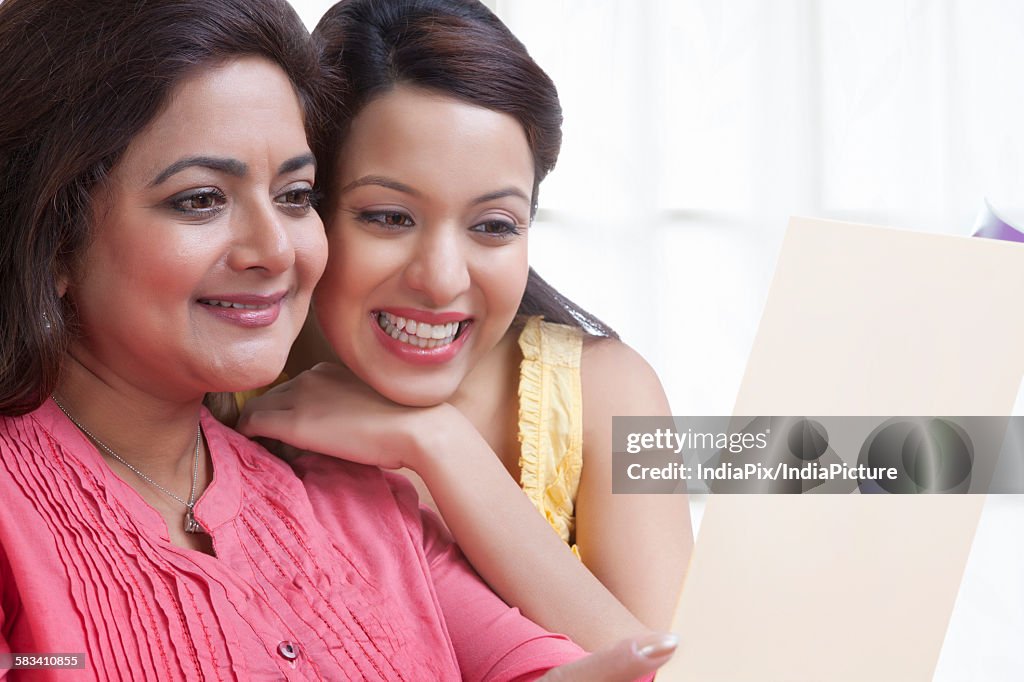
63,274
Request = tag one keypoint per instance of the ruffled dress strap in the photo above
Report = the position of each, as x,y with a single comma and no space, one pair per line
551,422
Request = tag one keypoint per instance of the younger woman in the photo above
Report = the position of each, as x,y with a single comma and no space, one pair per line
444,128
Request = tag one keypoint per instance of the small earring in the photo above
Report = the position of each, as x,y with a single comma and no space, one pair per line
46,323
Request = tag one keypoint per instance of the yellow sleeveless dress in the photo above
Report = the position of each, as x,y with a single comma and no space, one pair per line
551,422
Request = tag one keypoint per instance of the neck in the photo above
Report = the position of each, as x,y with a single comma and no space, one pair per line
155,434
499,367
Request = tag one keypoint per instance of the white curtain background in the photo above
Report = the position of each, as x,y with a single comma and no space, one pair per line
695,128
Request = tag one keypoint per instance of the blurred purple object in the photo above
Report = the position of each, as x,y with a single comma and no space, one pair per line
991,226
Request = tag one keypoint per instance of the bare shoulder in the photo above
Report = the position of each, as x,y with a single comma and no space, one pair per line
612,530
602,356
616,380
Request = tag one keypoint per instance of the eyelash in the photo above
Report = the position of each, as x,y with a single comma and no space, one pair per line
380,219
179,202
506,228
308,199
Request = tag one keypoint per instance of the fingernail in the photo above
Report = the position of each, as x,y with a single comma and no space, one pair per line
658,646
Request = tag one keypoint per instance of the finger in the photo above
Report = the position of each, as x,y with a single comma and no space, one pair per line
628,660
281,388
331,369
280,397
269,423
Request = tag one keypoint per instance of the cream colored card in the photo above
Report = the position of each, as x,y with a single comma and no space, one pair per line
860,320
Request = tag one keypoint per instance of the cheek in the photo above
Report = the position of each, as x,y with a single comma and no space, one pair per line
357,266
502,280
133,289
340,296
311,256
131,268
336,284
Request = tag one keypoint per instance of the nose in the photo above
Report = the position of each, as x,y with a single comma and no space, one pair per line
439,269
261,240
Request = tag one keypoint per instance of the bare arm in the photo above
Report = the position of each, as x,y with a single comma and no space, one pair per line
512,546
509,544
638,546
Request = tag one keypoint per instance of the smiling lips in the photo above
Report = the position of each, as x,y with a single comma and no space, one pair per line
245,310
419,334
409,337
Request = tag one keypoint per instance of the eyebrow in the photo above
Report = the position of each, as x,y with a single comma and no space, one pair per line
388,183
294,164
501,194
229,166
380,181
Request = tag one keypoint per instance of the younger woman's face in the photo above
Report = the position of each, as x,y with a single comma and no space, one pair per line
427,236
205,250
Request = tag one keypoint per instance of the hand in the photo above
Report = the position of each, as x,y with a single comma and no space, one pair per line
328,410
628,660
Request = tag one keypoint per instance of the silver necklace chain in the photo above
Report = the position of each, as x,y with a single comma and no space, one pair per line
191,525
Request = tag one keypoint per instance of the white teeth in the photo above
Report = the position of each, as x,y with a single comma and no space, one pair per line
237,306
418,334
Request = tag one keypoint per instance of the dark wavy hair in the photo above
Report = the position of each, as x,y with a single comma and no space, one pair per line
457,48
81,79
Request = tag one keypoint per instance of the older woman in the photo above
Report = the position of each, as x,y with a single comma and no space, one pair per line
160,244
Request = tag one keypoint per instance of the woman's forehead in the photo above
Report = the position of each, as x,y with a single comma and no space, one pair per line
424,139
244,109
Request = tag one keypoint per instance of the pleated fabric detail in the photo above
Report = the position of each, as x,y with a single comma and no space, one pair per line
88,567
551,421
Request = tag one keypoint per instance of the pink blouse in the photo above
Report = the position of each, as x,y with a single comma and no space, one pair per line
323,571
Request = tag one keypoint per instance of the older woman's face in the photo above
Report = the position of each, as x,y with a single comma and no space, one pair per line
205,247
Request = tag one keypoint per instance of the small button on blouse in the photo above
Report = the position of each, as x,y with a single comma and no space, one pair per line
288,650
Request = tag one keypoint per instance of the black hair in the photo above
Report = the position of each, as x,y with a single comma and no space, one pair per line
458,48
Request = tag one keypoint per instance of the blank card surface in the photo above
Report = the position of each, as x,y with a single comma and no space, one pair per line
860,320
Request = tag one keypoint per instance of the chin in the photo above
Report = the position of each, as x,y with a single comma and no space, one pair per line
248,373
414,396
248,382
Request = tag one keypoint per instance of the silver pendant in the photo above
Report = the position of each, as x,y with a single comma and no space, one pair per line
191,525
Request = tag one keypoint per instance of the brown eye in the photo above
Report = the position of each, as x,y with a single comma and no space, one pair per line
199,203
298,197
388,220
297,201
396,220
497,229
202,202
